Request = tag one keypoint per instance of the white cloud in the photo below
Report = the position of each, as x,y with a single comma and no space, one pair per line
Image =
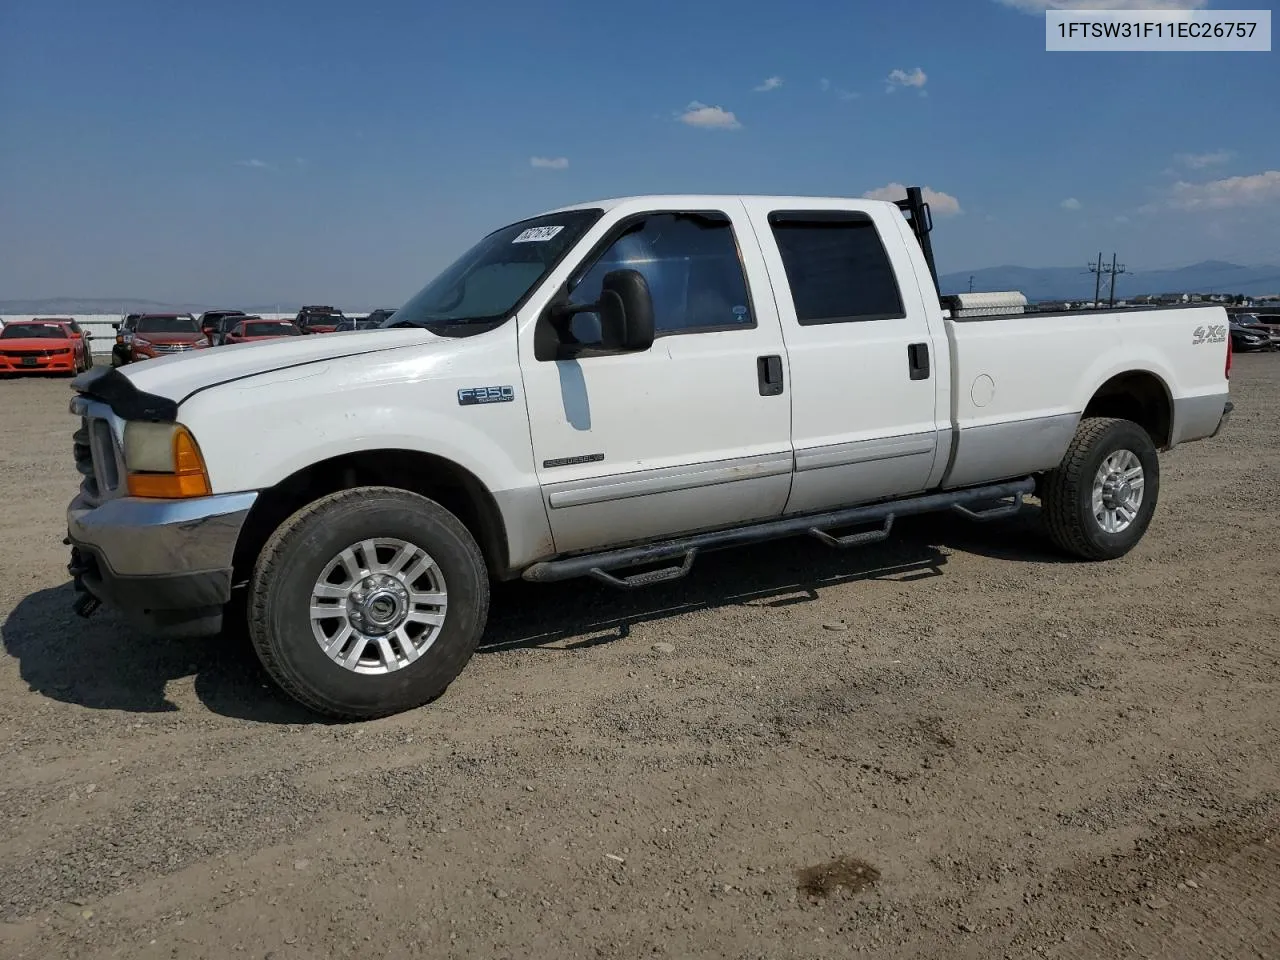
1040,6
850,94
905,78
1198,161
708,117
549,163
1071,203
1122,219
824,84
254,164
772,83
943,204
1250,191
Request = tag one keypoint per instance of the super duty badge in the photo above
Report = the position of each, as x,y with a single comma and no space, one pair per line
469,396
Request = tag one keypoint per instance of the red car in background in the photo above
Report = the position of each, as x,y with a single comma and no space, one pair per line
318,319
253,329
162,334
43,346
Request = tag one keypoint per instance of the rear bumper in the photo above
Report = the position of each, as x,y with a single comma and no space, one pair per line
163,564
1222,421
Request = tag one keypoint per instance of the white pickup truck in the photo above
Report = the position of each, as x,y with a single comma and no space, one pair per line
609,390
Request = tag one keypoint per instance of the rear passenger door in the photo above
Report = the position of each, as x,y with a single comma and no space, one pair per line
868,420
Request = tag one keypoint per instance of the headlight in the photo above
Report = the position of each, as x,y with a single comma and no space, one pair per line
140,342
163,461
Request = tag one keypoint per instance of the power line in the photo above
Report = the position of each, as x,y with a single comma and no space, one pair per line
1098,270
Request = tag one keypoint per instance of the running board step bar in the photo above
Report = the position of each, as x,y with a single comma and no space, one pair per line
604,566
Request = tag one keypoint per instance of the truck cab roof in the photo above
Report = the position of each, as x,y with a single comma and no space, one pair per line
692,201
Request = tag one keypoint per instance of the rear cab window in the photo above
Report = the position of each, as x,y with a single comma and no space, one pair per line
837,267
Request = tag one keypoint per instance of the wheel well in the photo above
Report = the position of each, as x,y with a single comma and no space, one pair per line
1138,396
453,487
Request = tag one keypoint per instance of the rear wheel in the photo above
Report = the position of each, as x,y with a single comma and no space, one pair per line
368,602
1099,501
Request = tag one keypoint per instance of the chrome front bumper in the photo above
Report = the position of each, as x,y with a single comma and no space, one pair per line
160,562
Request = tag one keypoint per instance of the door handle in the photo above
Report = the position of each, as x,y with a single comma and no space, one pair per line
769,370
918,360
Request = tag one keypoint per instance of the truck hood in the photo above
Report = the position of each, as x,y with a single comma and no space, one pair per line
180,375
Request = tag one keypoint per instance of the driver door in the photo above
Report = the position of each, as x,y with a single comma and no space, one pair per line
693,433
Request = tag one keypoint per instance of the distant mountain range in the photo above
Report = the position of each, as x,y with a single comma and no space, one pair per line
1076,283
1038,283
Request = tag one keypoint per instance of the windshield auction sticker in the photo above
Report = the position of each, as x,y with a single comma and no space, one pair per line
537,234
1158,31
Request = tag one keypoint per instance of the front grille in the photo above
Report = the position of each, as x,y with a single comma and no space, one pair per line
94,449
83,452
171,347
29,353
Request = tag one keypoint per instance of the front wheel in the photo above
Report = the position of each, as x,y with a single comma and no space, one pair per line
1099,501
368,602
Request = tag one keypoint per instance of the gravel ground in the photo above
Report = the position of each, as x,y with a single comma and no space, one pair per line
951,745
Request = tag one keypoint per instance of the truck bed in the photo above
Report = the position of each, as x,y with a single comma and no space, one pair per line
1019,384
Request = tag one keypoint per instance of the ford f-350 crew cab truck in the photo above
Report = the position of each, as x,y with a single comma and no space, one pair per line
606,390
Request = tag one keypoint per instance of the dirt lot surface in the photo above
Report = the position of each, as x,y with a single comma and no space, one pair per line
952,745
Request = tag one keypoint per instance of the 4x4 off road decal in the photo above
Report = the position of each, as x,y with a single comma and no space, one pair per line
1217,333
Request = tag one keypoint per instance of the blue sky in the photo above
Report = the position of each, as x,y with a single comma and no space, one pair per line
345,152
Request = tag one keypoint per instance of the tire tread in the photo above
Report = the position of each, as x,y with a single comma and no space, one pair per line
274,554
1063,488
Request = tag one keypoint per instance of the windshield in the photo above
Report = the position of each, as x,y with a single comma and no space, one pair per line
269,329
39,331
168,325
490,279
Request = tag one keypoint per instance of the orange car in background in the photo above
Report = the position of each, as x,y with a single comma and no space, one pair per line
253,329
44,346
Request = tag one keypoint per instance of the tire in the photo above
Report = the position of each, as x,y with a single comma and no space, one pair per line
1068,492
286,587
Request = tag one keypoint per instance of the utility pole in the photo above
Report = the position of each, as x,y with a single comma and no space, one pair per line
1097,278
971,283
1114,271
1098,270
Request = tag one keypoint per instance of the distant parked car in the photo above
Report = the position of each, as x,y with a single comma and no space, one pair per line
161,334
252,329
380,316
77,332
214,324
224,326
356,323
318,319
1269,322
1244,337
42,346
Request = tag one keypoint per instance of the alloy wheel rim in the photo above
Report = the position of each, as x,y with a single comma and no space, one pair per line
1118,490
378,605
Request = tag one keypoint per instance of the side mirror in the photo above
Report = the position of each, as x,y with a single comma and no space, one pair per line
626,311
116,325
